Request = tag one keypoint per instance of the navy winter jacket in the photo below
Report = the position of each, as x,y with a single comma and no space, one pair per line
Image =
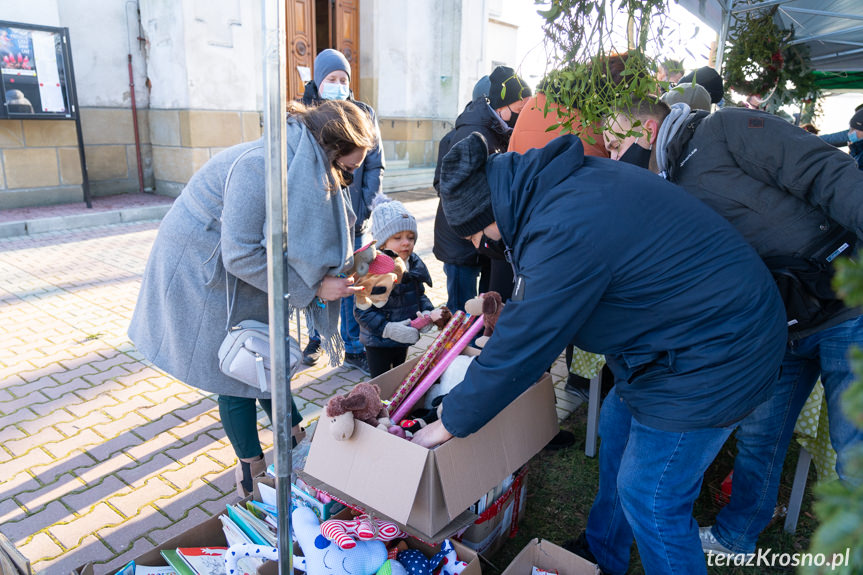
618,261
406,299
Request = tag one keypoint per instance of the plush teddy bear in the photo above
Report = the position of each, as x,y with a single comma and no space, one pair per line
362,403
323,557
384,272
490,305
363,258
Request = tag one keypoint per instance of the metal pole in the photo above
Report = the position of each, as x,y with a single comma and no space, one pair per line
277,232
723,34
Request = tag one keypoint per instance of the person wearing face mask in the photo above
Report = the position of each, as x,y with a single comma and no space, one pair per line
798,202
853,137
492,113
332,81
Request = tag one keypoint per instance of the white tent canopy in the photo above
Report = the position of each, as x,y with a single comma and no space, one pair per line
832,29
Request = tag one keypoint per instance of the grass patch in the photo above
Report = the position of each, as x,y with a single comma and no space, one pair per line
561,486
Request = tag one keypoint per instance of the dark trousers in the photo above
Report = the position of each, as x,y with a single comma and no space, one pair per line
240,419
383,359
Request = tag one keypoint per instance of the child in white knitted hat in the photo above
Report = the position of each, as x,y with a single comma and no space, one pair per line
386,331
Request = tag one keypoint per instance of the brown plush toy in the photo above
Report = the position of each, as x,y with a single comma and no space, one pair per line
363,258
362,403
439,317
384,272
490,305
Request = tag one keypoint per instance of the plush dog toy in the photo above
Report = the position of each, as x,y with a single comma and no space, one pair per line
364,528
417,564
439,317
384,272
362,403
323,557
363,258
490,305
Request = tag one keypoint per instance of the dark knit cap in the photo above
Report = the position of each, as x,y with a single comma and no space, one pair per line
710,79
328,61
857,120
481,88
464,191
506,87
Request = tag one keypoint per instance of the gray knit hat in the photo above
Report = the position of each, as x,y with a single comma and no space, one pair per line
330,60
695,96
464,191
390,218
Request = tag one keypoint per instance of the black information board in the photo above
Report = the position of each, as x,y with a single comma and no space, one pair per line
35,64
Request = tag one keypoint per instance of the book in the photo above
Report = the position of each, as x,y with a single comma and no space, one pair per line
154,570
174,560
204,560
259,531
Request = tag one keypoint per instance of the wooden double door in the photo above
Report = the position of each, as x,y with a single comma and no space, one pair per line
314,25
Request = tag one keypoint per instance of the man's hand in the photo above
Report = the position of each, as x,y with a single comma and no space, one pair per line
432,434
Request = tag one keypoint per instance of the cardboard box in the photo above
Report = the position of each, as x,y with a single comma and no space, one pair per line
550,557
428,491
500,521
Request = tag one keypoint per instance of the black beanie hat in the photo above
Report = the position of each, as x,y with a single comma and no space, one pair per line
710,79
464,191
857,120
504,80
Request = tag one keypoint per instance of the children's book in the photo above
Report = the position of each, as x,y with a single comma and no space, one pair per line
259,531
154,570
204,560
174,560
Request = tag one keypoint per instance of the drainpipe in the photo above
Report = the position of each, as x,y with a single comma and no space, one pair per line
132,91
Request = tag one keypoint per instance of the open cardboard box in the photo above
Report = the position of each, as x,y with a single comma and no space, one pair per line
428,491
550,557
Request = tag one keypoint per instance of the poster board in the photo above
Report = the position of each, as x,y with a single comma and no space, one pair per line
36,70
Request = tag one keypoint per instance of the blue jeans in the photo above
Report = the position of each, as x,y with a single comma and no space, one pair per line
648,482
349,329
461,285
763,437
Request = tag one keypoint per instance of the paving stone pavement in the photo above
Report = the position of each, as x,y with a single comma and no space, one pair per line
103,456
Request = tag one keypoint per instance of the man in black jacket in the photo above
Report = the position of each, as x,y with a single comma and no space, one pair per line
799,203
493,117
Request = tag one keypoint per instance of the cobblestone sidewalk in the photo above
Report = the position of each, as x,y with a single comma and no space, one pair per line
101,455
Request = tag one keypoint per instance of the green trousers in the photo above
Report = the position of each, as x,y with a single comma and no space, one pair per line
240,420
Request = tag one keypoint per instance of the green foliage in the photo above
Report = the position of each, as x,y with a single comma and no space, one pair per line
759,60
589,74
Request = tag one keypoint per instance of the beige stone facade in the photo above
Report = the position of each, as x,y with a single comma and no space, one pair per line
413,140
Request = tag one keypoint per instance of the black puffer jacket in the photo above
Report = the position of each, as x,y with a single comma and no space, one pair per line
476,117
407,298
367,177
785,190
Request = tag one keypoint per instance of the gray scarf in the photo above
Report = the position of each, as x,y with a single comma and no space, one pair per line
320,238
672,124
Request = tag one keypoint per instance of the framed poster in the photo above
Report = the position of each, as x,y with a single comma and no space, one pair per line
35,65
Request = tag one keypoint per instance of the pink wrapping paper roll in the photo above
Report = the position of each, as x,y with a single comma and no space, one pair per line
435,372
435,349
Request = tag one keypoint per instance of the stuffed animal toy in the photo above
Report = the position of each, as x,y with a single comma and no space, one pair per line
384,272
365,528
450,378
392,567
235,562
323,557
417,564
439,317
490,305
363,258
362,403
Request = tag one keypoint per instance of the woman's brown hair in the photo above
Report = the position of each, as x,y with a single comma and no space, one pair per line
339,126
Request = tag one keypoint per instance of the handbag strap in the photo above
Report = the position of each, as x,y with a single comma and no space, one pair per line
229,297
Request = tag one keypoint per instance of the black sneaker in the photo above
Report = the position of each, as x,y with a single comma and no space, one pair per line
580,547
312,353
578,386
357,361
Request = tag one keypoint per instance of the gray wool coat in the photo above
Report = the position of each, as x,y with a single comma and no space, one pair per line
180,318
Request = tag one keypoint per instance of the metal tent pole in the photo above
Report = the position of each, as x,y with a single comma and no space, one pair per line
723,34
277,285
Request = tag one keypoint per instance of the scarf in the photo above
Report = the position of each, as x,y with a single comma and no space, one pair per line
672,124
320,237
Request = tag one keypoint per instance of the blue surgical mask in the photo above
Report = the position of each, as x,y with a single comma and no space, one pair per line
330,91
853,137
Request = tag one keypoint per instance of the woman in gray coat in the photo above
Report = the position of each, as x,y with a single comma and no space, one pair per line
213,241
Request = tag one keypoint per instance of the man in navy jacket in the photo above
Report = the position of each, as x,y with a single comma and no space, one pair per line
619,262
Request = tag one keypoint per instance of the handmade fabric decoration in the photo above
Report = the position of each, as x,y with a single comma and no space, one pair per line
453,376
392,567
362,403
490,305
323,557
439,317
417,564
384,272
365,528
236,553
